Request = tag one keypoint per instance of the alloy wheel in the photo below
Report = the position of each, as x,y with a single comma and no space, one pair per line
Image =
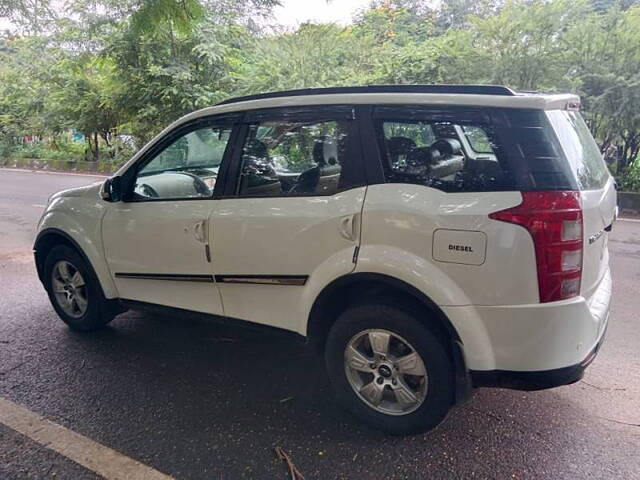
386,372
69,289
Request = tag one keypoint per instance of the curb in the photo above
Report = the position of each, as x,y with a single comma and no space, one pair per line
53,172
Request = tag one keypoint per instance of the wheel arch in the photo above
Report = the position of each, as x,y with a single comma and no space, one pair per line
50,237
349,289
46,241
356,287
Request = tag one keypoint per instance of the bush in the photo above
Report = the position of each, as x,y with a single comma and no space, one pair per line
57,149
629,179
6,151
59,153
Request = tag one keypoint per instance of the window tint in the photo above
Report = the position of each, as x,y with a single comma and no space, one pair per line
581,150
187,168
432,153
282,158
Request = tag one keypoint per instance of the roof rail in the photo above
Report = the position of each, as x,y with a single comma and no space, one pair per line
452,89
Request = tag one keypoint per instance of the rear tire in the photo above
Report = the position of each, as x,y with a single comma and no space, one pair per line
415,375
75,292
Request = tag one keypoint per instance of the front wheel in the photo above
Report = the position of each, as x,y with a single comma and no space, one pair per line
389,369
74,290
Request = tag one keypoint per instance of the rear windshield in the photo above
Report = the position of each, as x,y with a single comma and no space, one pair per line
580,149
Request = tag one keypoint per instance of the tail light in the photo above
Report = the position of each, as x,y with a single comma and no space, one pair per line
554,220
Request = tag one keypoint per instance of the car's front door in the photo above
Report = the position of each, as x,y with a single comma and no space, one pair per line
156,240
290,218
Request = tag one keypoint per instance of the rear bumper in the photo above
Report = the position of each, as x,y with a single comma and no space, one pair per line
545,340
536,380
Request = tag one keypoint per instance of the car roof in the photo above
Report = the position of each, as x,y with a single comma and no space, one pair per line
450,95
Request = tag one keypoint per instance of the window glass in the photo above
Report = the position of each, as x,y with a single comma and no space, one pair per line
432,153
282,158
420,134
477,139
580,148
187,168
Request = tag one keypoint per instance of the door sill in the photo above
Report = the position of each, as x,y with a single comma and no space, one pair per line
210,318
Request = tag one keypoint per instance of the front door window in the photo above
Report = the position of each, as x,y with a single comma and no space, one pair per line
186,168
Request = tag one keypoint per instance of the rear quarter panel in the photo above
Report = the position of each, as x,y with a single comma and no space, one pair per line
398,224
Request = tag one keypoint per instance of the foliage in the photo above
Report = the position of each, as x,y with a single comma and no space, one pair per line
629,179
311,56
116,69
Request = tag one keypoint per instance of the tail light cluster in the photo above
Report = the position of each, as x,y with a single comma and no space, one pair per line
554,220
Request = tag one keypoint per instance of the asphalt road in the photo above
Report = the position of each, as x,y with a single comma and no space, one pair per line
202,401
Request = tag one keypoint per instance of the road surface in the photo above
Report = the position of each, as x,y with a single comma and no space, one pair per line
201,401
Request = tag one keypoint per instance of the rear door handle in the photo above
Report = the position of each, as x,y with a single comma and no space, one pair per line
349,227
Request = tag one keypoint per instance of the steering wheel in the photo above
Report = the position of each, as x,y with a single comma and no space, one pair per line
198,184
148,190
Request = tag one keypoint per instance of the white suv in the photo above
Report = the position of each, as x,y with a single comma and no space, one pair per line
428,239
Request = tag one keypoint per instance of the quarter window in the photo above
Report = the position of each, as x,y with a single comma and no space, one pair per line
432,153
289,158
186,168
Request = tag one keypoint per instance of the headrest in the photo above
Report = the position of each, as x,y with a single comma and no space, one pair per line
257,149
325,151
448,146
422,156
400,145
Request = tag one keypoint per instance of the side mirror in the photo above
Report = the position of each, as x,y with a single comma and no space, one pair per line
112,189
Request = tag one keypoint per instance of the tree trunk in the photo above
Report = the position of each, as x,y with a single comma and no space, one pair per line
97,151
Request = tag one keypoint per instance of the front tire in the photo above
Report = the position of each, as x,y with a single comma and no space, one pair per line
389,369
74,290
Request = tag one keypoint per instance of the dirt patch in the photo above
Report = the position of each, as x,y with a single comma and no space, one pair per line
20,256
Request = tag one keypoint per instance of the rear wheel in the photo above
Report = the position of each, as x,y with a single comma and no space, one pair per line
390,369
74,290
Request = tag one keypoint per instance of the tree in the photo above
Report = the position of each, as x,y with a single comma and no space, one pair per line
312,56
83,99
133,66
456,13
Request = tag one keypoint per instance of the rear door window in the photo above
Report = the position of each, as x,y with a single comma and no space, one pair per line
303,152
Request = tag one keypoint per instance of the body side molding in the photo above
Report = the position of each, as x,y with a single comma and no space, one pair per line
295,280
178,277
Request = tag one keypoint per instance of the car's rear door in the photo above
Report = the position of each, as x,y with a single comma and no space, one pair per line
597,191
289,221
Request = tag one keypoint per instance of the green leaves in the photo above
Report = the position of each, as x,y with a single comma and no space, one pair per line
162,17
133,66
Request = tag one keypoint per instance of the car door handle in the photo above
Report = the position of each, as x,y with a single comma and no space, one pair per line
349,227
200,231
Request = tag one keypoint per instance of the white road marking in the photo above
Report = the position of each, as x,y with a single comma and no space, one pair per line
635,220
102,460
38,205
47,172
